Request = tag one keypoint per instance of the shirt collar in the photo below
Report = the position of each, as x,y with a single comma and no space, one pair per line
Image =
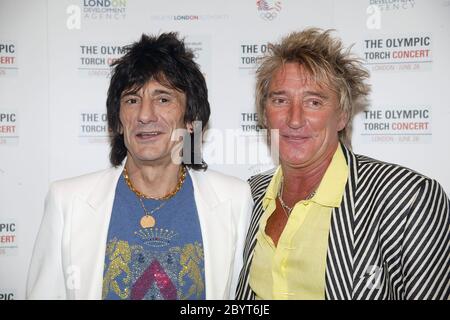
272,189
331,188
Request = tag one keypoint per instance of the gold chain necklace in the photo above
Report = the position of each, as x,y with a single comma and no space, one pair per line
148,220
167,196
284,206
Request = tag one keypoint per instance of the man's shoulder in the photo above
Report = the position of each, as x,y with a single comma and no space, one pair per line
393,179
83,183
218,178
211,184
262,178
259,183
368,164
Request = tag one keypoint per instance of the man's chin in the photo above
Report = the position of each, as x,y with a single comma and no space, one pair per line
151,158
295,157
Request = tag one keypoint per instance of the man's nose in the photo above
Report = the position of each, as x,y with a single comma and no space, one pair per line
147,111
296,115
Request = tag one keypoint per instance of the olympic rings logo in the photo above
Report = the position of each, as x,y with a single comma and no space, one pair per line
269,15
269,9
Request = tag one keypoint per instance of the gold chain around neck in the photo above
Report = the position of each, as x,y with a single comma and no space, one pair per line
287,210
165,197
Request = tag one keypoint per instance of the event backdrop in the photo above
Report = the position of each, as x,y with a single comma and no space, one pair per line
54,73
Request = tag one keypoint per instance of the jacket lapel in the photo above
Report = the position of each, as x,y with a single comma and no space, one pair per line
258,186
217,234
340,255
89,230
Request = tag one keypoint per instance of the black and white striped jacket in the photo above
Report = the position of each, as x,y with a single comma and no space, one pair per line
389,239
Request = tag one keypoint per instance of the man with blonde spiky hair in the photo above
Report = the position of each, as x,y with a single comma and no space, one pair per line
328,223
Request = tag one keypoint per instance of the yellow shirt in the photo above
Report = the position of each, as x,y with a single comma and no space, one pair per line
295,268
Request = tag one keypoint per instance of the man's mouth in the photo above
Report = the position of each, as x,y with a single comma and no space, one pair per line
295,137
148,135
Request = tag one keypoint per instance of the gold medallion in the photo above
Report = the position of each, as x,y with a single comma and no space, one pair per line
147,221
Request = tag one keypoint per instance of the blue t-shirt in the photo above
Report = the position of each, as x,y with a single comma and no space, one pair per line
165,262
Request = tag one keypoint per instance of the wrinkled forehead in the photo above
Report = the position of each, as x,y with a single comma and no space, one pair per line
300,74
159,78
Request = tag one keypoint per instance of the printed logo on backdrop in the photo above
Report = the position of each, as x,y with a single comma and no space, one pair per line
398,53
9,127
8,58
255,138
201,47
7,294
268,9
93,127
189,17
8,238
250,54
95,59
397,124
104,9
393,5
249,123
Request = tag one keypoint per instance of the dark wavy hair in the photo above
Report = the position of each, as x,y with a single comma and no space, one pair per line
163,58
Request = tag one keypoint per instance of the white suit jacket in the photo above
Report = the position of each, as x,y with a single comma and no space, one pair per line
69,253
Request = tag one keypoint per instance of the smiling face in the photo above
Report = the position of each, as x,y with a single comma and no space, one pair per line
149,117
307,115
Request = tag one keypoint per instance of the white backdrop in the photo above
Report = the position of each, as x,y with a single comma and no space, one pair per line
54,71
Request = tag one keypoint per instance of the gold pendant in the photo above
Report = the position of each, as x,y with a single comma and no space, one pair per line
148,221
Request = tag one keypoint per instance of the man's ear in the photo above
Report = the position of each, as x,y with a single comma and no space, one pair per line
342,120
264,118
190,127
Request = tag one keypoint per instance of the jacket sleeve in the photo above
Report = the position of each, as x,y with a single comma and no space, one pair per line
46,275
243,224
425,251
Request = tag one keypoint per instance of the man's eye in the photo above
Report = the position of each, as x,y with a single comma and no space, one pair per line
131,101
278,101
164,100
314,103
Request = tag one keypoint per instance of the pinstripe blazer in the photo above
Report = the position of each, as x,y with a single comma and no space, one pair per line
389,239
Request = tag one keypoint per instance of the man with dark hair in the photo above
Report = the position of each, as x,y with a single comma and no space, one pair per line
157,225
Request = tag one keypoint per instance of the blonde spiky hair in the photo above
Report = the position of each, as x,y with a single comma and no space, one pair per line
324,57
